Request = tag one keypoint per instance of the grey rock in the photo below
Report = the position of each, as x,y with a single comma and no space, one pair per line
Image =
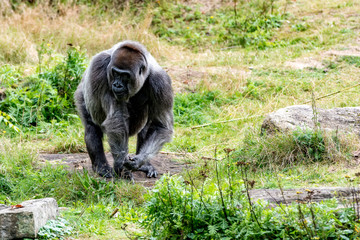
345,119
26,221
287,196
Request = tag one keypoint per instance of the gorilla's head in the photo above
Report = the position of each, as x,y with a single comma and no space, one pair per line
127,72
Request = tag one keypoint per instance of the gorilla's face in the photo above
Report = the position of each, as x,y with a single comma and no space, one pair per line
126,73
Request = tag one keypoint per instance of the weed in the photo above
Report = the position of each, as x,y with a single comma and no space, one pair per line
300,27
48,95
55,229
7,120
311,143
353,60
176,211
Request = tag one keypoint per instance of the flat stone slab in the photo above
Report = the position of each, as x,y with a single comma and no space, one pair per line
287,196
25,220
345,119
163,163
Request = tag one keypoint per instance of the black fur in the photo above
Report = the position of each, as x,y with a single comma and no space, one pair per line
125,92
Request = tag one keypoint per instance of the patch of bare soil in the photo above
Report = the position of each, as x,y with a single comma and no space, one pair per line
304,63
309,62
205,5
348,51
163,163
186,79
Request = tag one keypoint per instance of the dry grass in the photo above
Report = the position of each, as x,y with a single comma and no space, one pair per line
24,30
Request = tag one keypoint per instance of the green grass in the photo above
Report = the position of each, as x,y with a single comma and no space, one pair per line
245,82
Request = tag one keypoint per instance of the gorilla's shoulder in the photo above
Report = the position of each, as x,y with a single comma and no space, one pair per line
159,84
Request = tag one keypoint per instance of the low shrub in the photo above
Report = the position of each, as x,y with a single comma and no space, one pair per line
46,95
178,210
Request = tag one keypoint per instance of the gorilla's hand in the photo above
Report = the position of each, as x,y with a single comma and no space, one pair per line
139,163
123,172
149,170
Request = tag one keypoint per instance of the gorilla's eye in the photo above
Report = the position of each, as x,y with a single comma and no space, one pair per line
141,70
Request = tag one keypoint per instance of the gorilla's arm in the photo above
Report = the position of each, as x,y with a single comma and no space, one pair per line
159,127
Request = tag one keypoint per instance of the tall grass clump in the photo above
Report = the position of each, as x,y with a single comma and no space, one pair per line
303,146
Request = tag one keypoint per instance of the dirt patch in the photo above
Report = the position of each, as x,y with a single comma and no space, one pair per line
205,6
165,164
304,63
348,51
186,79
311,63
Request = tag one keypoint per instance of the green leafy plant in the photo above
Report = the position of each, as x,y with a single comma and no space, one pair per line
178,210
55,229
47,95
300,27
6,119
311,143
66,75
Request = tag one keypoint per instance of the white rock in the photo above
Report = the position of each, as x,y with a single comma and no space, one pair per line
345,119
26,221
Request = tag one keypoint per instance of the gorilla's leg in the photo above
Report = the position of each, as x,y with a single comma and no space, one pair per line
94,145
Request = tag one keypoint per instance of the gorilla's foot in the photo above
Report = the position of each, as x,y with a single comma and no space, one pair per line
104,171
149,170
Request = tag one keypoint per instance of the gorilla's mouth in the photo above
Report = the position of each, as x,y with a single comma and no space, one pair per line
120,93
119,90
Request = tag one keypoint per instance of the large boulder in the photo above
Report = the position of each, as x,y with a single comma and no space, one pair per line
25,220
345,119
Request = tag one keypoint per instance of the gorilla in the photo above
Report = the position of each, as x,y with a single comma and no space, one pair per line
125,92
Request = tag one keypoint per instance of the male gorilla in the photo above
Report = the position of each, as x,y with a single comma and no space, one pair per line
125,92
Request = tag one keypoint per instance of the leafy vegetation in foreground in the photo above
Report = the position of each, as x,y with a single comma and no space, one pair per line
180,210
